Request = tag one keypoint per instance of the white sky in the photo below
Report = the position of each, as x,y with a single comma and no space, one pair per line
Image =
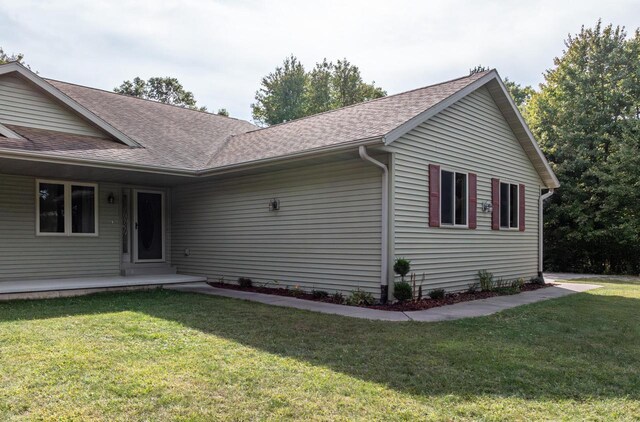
221,49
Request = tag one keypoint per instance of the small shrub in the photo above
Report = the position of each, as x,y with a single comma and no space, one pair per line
419,292
402,291
296,291
486,280
518,283
473,287
319,294
245,282
402,267
360,298
437,294
338,297
537,280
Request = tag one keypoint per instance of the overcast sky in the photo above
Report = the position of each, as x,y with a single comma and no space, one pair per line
221,49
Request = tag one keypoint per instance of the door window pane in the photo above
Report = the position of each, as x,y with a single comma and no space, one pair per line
461,198
83,209
446,197
150,226
51,197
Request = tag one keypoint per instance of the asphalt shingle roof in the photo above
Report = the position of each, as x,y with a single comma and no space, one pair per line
180,138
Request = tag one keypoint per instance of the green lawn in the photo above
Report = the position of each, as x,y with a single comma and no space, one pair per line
172,356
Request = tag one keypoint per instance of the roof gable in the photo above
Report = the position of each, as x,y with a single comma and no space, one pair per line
16,69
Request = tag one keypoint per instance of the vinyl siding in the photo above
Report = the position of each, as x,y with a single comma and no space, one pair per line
23,255
24,105
325,236
470,136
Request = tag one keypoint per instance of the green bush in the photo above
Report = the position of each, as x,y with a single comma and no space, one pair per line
245,282
537,280
437,294
402,267
402,291
486,281
319,294
360,298
338,297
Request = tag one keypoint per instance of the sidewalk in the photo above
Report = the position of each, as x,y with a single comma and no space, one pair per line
461,310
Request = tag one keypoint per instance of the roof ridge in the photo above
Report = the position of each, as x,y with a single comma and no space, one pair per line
146,99
370,101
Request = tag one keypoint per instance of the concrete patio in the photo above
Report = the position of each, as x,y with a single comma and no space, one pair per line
47,288
481,307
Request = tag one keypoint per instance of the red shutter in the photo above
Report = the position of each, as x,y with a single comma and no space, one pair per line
434,195
495,204
473,201
521,210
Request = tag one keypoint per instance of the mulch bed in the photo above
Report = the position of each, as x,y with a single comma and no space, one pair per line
417,305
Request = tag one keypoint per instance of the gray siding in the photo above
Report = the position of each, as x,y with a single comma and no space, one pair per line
24,105
326,235
472,136
23,255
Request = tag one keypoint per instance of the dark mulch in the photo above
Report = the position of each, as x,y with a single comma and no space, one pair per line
451,298
278,291
417,305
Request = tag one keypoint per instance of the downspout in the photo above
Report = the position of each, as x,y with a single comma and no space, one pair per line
541,230
384,230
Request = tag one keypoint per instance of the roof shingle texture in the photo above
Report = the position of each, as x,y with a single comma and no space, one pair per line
170,136
179,138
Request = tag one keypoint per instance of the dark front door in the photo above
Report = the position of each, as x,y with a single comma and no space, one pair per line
149,226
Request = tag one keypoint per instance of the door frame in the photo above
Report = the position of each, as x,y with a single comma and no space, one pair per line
135,225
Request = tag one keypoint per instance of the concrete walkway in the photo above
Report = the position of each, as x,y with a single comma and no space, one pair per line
461,310
553,277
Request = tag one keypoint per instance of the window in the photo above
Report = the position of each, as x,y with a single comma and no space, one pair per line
509,205
453,194
66,208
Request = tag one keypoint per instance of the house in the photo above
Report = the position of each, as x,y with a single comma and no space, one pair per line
97,184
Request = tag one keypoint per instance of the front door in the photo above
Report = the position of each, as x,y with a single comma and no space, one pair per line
149,226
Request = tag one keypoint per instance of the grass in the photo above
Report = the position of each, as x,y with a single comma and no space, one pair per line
165,355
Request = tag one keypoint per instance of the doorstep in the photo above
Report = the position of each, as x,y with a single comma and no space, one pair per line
474,308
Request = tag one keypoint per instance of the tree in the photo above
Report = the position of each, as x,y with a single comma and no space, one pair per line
165,90
281,97
586,118
223,112
13,57
290,92
520,94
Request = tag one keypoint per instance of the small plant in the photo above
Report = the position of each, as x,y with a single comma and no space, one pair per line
338,297
537,280
402,267
360,298
473,287
319,294
245,282
486,281
519,283
437,294
403,291
296,291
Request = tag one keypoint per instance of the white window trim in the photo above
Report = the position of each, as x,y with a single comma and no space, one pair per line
517,226
454,225
67,208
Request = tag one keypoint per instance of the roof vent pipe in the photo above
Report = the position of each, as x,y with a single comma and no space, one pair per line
384,229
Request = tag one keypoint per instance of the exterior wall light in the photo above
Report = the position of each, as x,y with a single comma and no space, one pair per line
274,204
487,206
111,198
